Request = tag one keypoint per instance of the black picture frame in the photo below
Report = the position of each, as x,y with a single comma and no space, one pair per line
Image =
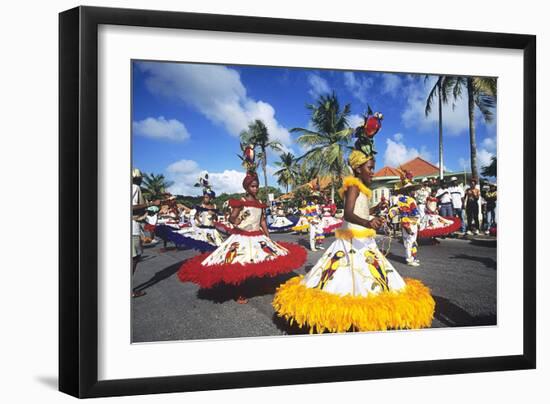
78,195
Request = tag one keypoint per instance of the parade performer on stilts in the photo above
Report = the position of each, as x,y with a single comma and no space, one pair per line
353,287
249,251
409,216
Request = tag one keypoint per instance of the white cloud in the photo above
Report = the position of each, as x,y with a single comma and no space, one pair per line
358,85
398,153
455,121
490,143
185,174
463,163
216,92
391,83
484,158
398,137
161,128
319,86
355,120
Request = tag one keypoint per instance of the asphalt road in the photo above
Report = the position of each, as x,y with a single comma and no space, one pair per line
462,275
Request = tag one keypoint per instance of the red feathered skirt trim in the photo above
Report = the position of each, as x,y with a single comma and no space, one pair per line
441,231
206,277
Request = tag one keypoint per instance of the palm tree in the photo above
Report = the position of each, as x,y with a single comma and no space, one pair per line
442,89
491,169
155,186
482,93
258,135
328,142
288,172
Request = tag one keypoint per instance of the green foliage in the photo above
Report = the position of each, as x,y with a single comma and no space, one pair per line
154,186
288,173
491,169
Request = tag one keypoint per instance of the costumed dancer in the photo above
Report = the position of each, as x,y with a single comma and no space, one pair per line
353,287
201,235
316,233
203,230
433,225
302,225
280,222
328,222
249,251
408,213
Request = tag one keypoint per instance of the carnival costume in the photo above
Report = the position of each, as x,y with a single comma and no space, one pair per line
328,222
248,251
409,215
433,225
302,225
280,222
353,286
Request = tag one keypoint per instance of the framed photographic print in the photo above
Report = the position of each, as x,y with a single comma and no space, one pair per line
251,201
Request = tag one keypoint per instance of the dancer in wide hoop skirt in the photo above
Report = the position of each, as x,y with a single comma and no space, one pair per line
353,287
248,251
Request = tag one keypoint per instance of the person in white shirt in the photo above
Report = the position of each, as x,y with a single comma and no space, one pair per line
457,196
445,200
138,214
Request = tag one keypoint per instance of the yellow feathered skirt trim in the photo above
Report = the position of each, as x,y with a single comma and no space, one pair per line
348,234
356,182
301,227
319,311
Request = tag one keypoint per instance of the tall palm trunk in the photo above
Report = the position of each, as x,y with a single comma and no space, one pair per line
332,188
473,146
264,167
440,133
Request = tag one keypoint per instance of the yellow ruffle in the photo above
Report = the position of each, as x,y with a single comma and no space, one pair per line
319,311
348,234
354,181
301,227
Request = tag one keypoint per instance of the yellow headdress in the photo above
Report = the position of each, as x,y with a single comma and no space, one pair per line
357,158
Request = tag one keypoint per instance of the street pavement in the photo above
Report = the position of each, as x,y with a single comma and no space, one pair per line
462,276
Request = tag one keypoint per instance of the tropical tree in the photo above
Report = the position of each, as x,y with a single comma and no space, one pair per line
328,140
258,136
482,93
491,169
288,172
441,89
154,186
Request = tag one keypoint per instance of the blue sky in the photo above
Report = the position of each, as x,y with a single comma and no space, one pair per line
187,118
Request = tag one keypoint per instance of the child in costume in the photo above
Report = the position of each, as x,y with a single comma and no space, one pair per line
303,224
353,286
248,251
409,215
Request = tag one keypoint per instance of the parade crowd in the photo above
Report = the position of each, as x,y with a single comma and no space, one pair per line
353,286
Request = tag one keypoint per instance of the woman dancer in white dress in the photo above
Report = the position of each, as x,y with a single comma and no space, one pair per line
353,287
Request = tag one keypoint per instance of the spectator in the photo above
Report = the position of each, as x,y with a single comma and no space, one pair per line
445,201
457,196
471,200
138,215
491,198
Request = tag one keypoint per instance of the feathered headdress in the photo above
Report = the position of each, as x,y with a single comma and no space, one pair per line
406,180
249,164
206,188
364,145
